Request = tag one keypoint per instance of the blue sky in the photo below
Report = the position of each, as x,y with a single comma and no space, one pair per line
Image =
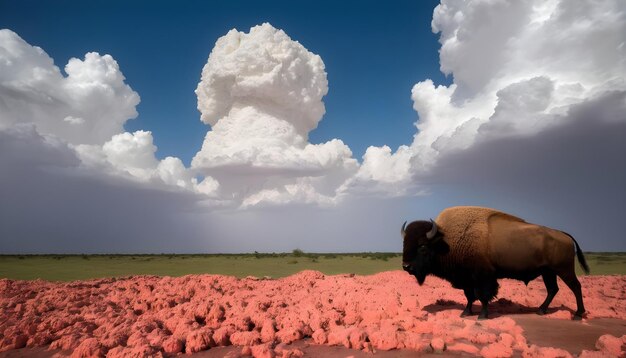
374,53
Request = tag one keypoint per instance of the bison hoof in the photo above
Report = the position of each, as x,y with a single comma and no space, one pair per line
482,317
577,317
542,311
466,313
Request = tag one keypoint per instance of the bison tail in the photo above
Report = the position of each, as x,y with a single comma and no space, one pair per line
579,254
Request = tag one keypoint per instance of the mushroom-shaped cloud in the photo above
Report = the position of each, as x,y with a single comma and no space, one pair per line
262,94
267,70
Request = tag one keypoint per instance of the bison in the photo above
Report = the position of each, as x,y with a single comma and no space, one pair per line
472,247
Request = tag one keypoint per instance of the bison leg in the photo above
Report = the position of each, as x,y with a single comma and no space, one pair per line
471,297
484,311
549,279
487,290
572,282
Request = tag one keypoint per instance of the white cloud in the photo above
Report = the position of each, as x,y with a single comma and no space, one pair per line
85,110
87,106
132,152
262,93
132,155
518,67
382,173
266,70
301,191
74,120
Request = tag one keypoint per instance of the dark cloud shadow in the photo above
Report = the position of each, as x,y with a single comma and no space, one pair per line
51,205
571,176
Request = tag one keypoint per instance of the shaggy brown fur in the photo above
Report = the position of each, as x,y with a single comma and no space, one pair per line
475,246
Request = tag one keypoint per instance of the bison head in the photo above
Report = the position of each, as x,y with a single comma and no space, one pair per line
422,241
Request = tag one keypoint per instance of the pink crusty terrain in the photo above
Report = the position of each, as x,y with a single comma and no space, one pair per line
154,316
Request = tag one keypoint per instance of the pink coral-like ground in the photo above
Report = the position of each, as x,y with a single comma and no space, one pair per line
164,316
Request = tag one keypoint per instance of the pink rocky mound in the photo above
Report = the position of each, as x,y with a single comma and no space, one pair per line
163,316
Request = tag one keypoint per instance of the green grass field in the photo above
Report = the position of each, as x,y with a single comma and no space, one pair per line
79,267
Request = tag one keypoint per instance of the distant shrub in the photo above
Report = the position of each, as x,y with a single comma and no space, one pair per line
85,257
384,256
292,262
606,258
21,257
379,257
297,253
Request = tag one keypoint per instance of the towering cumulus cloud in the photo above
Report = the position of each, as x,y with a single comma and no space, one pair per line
262,94
519,68
71,179
86,110
87,107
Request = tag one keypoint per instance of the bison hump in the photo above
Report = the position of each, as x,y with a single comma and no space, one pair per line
467,227
472,214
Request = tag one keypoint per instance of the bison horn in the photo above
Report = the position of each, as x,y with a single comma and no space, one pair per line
402,231
433,231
